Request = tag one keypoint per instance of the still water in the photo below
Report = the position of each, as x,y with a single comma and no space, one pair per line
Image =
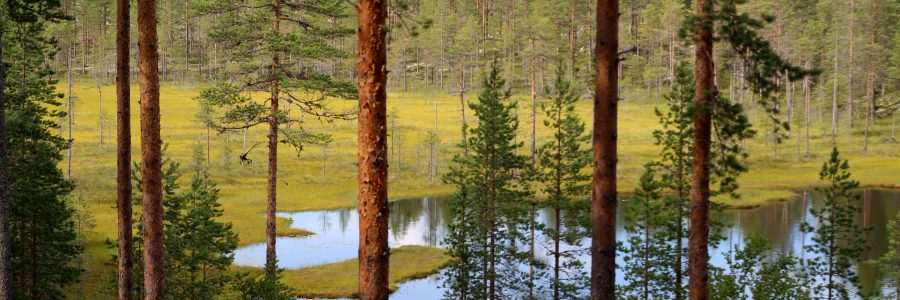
423,221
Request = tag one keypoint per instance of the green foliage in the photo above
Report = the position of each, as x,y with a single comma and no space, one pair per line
261,287
43,239
838,242
246,31
198,247
562,162
750,274
889,262
741,32
650,255
489,208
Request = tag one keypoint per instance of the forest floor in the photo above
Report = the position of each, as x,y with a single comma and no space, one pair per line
325,177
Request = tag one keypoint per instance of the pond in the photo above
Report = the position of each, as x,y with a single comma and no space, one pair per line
423,221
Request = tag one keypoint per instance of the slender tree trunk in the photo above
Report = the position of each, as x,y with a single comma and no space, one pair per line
834,90
533,101
70,114
603,207
5,238
698,234
100,111
151,175
806,93
572,38
373,165
123,145
870,79
462,103
271,201
850,71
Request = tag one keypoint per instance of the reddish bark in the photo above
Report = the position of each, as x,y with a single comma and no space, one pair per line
373,164
151,160
603,207
123,145
704,98
273,155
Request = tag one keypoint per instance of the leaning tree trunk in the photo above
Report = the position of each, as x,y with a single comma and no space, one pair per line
271,268
5,251
151,175
373,164
698,232
603,207
123,143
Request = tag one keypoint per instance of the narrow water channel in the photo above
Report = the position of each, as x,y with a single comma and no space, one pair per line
423,221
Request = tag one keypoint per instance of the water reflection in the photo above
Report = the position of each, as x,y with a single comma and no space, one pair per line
423,221
419,221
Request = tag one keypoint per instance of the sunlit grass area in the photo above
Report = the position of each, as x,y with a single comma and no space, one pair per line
320,177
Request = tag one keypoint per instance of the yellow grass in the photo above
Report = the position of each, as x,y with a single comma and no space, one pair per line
301,185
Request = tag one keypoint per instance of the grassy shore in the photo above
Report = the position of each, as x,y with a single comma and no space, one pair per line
325,178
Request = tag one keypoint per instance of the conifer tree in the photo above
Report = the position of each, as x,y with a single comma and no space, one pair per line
298,32
750,274
838,241
490,208
561,165
38,244
889,262
198,247
719,20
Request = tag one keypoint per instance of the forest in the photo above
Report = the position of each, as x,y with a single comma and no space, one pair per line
449,149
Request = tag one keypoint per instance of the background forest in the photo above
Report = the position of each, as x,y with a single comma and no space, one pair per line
215,63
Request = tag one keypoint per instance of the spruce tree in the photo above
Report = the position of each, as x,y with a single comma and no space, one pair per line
40,236
490,211
838,242
198,246
562,162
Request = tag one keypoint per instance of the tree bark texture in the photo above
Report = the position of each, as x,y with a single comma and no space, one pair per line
271,188
603,206
373,164
704,99
5,237
151,160
123,145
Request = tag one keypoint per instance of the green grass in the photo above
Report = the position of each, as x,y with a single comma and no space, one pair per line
301,186
340,280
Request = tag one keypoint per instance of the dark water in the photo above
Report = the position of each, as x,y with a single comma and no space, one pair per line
423,221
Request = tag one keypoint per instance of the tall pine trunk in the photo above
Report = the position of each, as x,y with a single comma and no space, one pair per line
603,206
373,164
271,268
123,145
151,160
5,238
698,234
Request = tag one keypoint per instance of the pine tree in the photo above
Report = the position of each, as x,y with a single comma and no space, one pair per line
838,241
751,274
489,208
561,165
717,20
650,252
249,29
38,240
198,246
604,198
889,262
